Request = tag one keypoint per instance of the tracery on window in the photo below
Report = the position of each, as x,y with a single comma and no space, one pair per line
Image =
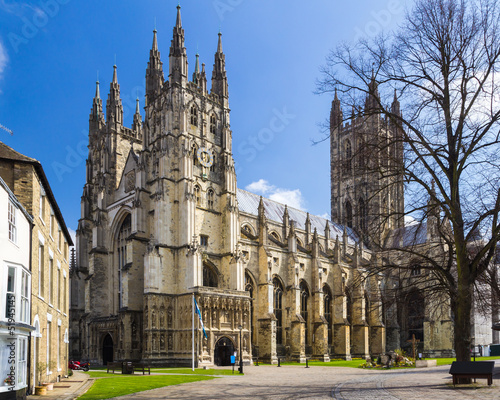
194,115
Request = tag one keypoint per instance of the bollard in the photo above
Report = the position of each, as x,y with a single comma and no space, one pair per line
257,359
279,364
307,363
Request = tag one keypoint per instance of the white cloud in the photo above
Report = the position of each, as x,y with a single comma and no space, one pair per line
325,216
260,187
293,198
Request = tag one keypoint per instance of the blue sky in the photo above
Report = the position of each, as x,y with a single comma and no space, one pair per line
51,52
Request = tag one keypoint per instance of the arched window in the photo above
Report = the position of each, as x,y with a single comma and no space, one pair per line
416,312
123,234
348,155
197,195
278,309
194,152
304,300
362,215
348,214
327,308
275,236
209,276
212,167
213,122
194,115
210,199
367,308
249,287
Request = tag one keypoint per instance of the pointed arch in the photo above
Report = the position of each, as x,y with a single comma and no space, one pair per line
197,195
210,275
348,214
328,311
210,199
348,155
363,214
213,123
193,113
278,290
248,230
304,307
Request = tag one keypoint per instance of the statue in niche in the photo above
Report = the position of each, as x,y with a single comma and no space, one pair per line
162,342
170,342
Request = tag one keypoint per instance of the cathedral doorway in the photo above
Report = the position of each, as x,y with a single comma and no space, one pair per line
224,349
107,349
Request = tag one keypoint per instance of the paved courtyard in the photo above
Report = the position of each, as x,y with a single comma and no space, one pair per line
297,382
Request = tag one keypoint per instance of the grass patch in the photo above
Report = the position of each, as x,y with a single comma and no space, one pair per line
118,385
448,361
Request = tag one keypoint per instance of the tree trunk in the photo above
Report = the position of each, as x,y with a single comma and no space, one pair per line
462,307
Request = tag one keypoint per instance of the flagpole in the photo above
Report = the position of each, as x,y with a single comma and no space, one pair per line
192,334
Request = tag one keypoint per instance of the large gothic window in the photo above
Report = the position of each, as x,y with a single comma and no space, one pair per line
249,287
210,199
278,309
209,276
213,122
197,195
327,308
348,214
194,115
304,300
123,234
416,311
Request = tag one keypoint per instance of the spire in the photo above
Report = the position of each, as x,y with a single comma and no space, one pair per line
137,124
219,44
219,76
114,108
336,116
396,107
96,119
178,57
154,72
308,228
196,73
155,41
178,22
373,98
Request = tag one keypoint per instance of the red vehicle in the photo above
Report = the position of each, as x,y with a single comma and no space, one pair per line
77,365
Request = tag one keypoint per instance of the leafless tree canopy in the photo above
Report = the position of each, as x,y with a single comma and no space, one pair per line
443,65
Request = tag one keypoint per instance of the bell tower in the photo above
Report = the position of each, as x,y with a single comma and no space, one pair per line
366,155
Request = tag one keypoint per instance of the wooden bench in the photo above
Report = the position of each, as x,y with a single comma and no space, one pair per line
472,369
142,368
114,366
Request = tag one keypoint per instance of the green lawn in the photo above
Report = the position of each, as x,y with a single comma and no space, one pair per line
118,385
446,361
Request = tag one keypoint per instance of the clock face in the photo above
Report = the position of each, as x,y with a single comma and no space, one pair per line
205,157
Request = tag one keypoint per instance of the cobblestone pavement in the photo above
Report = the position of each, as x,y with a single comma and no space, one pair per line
297,382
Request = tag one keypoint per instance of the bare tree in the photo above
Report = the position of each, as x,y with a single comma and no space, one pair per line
442,63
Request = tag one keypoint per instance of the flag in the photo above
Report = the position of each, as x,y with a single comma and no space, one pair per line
199,315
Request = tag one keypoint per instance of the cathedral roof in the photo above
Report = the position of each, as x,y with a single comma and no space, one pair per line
410,235
249,203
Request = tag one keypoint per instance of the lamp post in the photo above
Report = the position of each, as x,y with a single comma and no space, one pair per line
241,350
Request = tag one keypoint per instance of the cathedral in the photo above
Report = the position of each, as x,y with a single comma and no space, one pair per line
163,221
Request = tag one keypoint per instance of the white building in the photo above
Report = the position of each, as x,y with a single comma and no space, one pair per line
15,294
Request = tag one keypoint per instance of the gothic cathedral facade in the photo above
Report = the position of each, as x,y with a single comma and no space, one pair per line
162,221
